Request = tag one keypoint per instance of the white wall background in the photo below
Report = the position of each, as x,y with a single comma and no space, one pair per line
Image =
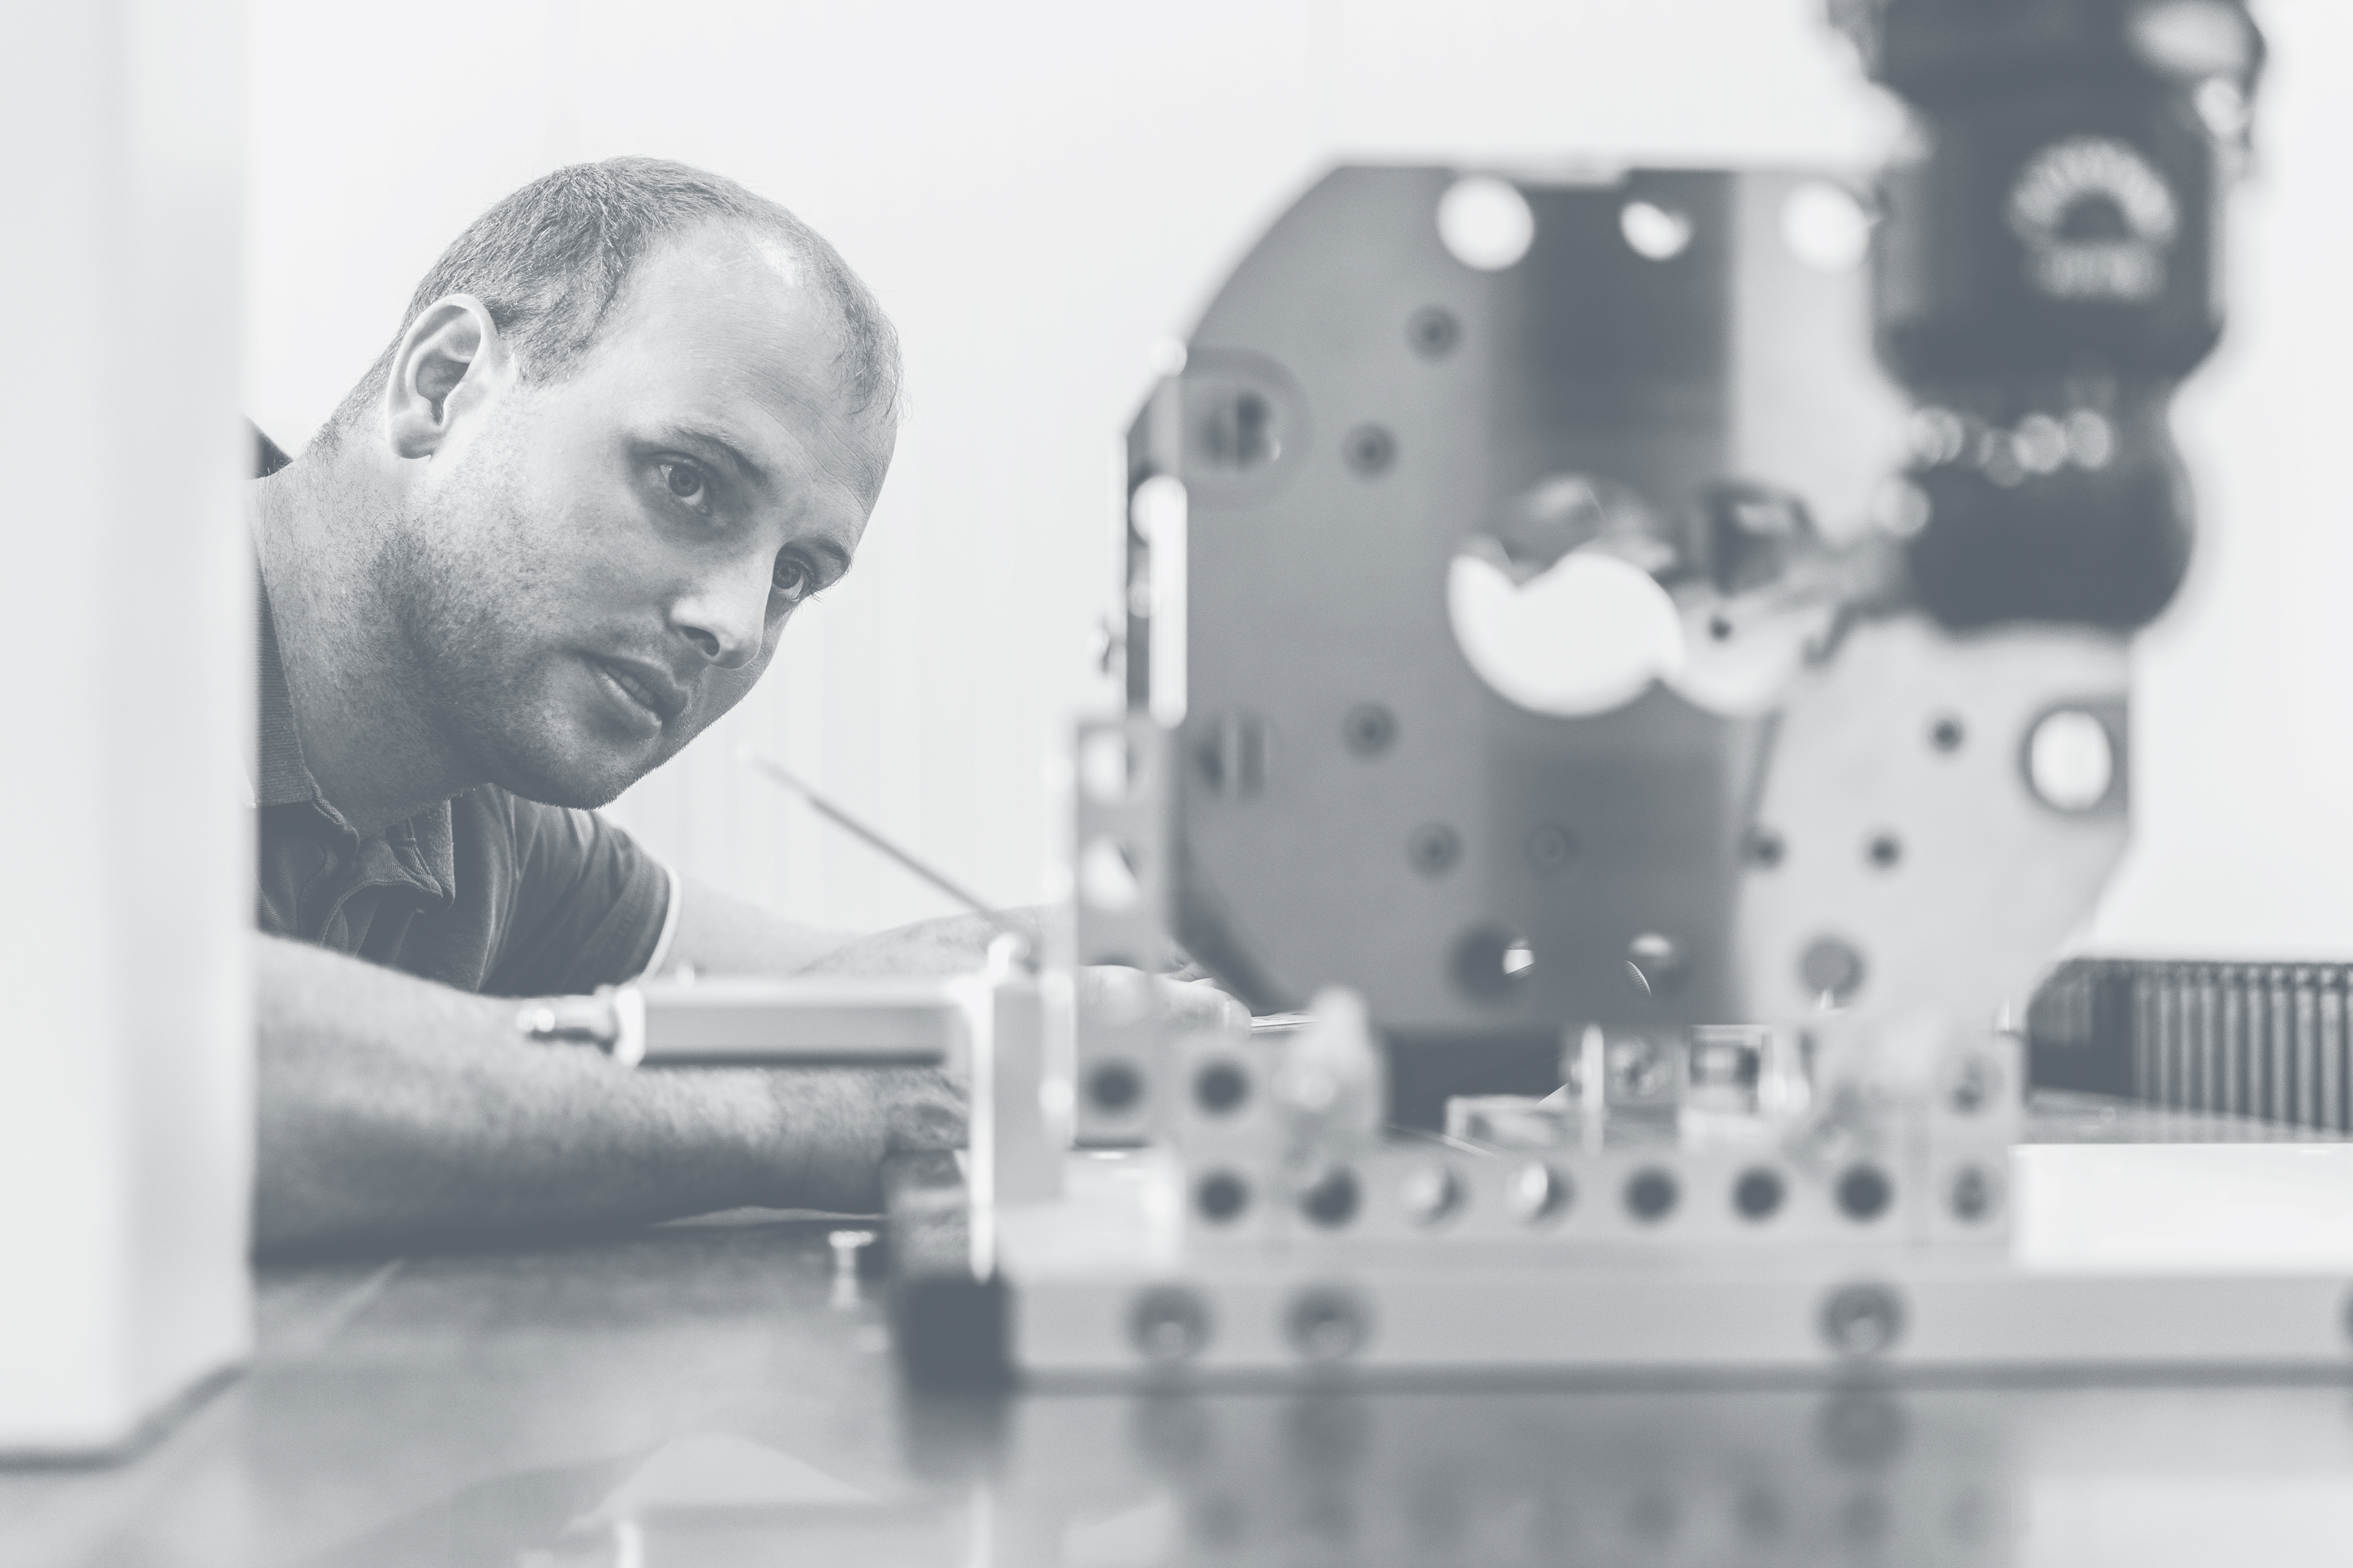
1041,190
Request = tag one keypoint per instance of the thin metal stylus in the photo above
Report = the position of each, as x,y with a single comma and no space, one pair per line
842,819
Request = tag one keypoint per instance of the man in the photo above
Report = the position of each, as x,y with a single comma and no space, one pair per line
635,414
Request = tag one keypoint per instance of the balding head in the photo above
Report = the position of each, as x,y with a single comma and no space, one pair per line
553,262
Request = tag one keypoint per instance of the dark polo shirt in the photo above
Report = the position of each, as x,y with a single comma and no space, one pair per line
488,892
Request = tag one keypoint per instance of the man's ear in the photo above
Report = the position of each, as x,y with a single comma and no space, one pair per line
450,363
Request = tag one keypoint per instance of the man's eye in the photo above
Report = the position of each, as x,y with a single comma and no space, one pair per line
687,484
793,578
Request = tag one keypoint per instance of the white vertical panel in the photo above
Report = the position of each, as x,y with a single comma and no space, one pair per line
125,1077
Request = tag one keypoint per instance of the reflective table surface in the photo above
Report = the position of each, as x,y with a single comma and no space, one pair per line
707,1393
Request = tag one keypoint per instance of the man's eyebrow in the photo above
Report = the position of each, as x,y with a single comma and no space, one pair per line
746,470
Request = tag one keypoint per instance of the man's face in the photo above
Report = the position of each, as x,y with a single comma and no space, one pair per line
604,564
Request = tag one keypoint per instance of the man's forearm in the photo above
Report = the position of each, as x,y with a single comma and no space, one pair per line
395,1112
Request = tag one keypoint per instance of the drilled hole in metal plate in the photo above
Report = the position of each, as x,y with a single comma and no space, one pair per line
1766,848
2071,762
1220,1197
1431,1195
1862,1320
1331,1200
1552,849
1168,1324
1492,963
1864,1193
1884,850
1115,1087
1831,970
1651,1194
1328,1324
1948,733
1972,1196
1433,848
1369,729
1539,1194
1757,1196
1220,1087
1369,450
1433,331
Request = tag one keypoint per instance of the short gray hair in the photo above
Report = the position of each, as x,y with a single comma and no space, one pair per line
550,260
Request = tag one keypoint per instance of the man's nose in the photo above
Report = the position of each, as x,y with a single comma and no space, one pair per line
724,614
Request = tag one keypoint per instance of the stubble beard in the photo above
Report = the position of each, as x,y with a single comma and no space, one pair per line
458,582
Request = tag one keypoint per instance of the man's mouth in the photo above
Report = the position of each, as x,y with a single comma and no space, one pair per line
659,701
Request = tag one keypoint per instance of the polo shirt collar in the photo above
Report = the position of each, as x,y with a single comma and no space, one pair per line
420,851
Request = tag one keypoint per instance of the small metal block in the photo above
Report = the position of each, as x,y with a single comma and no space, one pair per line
1328,1324
1168,1324
1369,450
1862,1320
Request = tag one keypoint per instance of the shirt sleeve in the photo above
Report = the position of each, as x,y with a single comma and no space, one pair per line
590,906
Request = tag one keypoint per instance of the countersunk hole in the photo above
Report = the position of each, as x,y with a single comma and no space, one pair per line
1432,1194
1115,1086
1757,1195
1369,729
1883,850
1331,1202
1433,331
1328,1324
1651,1194
1221,1087
1864,1192
1169,1323
1222,1196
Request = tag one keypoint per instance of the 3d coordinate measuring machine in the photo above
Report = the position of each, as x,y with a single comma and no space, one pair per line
1627,676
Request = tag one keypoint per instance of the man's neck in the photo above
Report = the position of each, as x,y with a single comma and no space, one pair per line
319,526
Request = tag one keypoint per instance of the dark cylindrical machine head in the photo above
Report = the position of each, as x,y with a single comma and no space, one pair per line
2048,270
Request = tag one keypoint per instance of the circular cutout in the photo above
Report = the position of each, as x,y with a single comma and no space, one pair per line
1651,1194
1539,1194
1653,232
1222,1196
1588,634
1168,1324
1331,1200
1115,1087
1884,851
1485,223
1825,227
1491,963
1758,1194
2071,763
1948,733
1864,1192
1220,1087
